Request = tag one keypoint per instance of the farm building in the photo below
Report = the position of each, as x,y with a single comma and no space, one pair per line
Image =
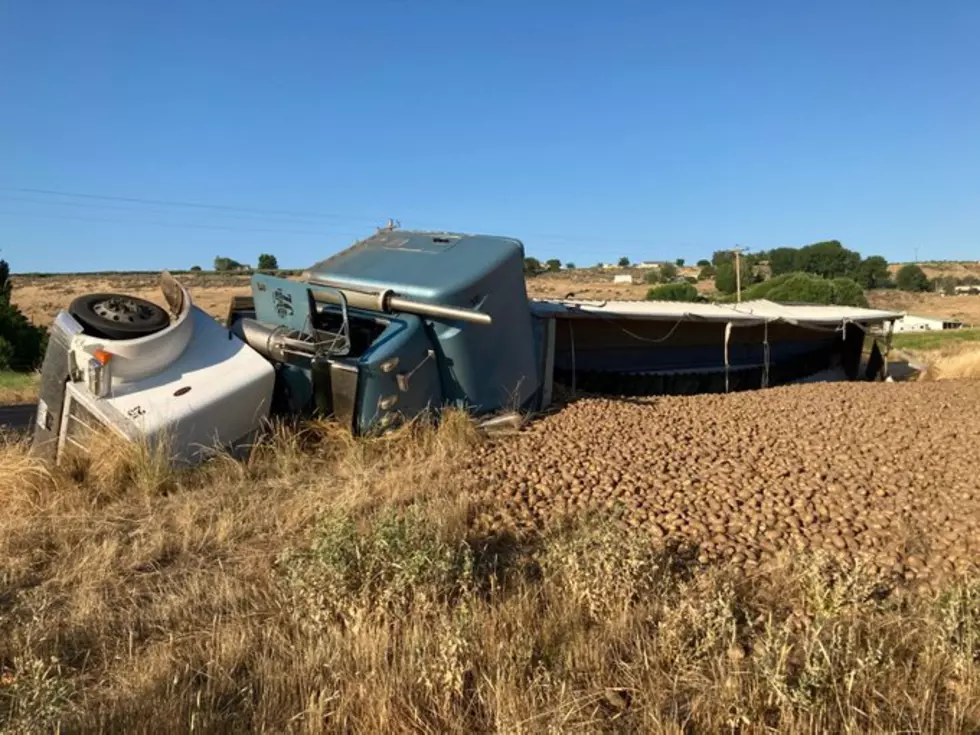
912,323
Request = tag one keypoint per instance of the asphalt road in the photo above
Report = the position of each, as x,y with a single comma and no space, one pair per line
18,418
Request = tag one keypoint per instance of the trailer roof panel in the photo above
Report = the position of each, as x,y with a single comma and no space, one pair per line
747,312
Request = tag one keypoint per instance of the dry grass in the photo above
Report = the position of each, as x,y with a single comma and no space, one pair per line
332,584
957,365
963,307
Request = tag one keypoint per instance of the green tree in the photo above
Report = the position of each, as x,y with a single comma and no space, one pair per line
268,262
554,265
673,292
226,264
912,278
679,262
668,271
624,262
704,263
532,266
22,344
806,288
195,268
6,287
722,256
725,280
872,272
946,285
829,259
652,276
569,266
707,272
783,260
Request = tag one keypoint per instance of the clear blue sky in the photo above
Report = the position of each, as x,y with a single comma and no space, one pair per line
589,130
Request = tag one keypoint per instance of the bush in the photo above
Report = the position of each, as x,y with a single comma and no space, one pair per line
707,273
704,263
668,272
808,289
569,266
652,277
912,278
673,292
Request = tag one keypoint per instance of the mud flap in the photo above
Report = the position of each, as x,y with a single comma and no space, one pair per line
51,392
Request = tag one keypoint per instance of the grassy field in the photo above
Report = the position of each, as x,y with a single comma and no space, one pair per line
333,585
17,387
935,340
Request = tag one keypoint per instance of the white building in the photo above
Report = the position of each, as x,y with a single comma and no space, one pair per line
911,323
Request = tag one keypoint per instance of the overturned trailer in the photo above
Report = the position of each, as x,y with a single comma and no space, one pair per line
400,323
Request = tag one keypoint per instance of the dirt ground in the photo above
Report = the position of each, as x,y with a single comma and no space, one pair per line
881,470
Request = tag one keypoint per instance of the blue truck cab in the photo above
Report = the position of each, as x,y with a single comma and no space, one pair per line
400,323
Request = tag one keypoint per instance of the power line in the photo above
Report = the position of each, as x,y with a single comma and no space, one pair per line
549,238
46,215
122,208
195,205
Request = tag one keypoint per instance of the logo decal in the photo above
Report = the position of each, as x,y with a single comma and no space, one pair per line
284,303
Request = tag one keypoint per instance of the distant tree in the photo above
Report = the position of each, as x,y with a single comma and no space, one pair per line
532,267
599,264
912,278
722,256
679,262
946,285
872,272
807,288
22,344
783,260
624,262
195,268
668,271
725,280
226,264
569,266
704,263
829,259
707,272
652,277
673,292
268,262
6,287
554,265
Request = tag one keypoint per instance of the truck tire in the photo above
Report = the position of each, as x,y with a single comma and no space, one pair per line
117,316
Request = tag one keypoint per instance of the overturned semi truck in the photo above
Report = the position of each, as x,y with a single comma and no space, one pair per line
402,323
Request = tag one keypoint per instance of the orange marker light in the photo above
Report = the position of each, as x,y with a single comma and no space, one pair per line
102,356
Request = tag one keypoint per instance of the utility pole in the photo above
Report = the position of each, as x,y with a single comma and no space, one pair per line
738,273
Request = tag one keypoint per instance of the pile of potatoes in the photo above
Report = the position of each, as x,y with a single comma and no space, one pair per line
885,472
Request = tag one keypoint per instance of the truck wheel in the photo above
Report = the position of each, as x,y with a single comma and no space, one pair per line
116,316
